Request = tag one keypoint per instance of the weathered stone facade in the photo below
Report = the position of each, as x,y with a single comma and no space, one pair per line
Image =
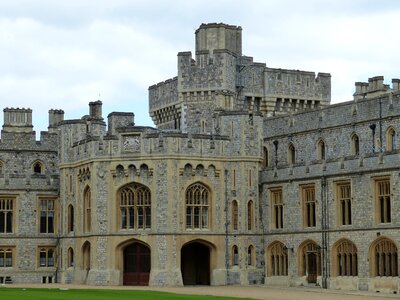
250,178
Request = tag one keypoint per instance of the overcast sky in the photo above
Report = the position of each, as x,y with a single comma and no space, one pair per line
64,54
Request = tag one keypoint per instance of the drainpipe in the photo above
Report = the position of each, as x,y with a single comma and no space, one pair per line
226,228
380,125
325,233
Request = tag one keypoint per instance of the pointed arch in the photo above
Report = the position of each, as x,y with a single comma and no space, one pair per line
383,257
198,206
265,157
200,169
355,144
134,207
345,258
235,215
277,259
309,258
86,256
251,259
38,167
70,216
70,257
390,139
87,210
235,255
2,167
321,150
197,258
291,154
250,215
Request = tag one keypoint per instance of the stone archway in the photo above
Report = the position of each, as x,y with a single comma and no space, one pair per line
195,264
137,264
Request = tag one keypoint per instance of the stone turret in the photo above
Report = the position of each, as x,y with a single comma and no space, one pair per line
56,116
219,36
95,110
18,120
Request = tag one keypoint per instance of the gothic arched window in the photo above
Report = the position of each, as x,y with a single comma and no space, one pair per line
197,206
135,207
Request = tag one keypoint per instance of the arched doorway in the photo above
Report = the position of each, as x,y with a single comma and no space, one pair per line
310,261
195,264
136,264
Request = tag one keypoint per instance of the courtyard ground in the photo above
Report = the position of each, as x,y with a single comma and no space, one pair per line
256,292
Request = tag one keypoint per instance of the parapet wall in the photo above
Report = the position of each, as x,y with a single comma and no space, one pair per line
298,84
375,87
163,94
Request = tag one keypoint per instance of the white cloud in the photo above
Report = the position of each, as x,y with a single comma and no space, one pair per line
64,54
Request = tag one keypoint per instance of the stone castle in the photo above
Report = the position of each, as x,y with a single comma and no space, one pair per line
251,177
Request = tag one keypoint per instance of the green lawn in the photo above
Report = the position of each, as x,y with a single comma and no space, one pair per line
56,294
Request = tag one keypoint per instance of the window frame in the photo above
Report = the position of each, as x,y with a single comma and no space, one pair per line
345,258
278,261
344,203
383,201
4,258
250,257
134,207
250,215
198,201
45,228
321,150
70,258
277,208
38,164
291,154
355,145
309,211
234,256
87,209
6,213
376,267
390,139
235,215
49,261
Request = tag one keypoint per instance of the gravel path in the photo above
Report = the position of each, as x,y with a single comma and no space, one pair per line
255,292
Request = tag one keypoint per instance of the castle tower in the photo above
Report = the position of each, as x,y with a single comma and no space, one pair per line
221,78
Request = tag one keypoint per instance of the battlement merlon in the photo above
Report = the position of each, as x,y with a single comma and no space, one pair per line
118,120
375,87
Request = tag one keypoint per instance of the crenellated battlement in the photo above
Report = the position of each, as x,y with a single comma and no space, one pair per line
375,87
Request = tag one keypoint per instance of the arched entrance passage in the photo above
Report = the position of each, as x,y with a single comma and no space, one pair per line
136,264
195,264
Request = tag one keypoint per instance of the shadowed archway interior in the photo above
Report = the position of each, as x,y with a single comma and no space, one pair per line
195,264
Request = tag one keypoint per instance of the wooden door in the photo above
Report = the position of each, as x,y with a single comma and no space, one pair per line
136,264
312,267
